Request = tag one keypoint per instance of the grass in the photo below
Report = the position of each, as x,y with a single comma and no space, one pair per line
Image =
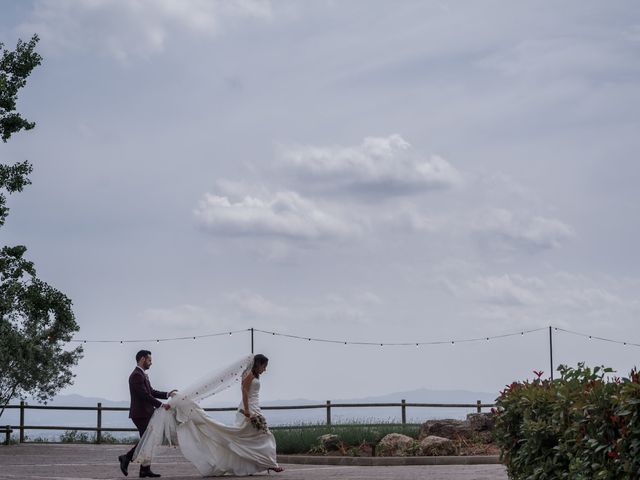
74,436
303,438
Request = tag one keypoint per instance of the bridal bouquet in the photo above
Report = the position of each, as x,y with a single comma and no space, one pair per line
259,423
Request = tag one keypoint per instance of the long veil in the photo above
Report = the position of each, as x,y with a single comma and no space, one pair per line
162,428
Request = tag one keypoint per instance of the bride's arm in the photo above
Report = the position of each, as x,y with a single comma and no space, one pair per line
246,383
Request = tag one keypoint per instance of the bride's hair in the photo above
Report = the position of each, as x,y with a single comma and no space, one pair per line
258,361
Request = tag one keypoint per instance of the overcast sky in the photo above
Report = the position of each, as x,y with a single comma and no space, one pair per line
353,170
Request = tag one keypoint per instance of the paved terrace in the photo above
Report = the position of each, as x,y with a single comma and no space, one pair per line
61,462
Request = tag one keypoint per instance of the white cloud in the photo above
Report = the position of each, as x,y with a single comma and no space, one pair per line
506,289
244,308
408,219
503,229
131,28
384,165
577,302
550,58
255,305
184,317
284,215
338,309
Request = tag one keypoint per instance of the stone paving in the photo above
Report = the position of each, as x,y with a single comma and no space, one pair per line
83,462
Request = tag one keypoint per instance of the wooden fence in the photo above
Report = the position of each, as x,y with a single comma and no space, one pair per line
403,405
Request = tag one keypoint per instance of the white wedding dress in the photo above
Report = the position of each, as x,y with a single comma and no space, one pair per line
213,447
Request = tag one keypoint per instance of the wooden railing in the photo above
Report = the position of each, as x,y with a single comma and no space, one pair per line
8,429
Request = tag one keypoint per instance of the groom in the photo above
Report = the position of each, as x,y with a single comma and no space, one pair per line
143,404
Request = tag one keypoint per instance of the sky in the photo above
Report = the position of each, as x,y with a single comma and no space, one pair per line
368,171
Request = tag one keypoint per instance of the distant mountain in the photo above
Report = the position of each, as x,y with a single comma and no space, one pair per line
276,417
74,400
424,395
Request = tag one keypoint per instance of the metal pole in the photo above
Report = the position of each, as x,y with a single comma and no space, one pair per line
404,411
251,339
551,351
328,412
478,406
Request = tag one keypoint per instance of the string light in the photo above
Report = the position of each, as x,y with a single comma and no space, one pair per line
397,344
594,337
348,342
158,340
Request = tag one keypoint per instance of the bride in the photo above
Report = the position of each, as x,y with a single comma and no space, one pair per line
214,448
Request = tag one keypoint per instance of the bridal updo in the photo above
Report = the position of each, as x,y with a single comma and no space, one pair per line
259,360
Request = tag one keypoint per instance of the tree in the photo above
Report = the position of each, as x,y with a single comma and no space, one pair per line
36,320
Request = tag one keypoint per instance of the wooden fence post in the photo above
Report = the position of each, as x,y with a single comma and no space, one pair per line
8,433
479,406
328,412
99,426
21,421
404,411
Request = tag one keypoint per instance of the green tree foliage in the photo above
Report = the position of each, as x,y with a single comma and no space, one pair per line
36,320
15,67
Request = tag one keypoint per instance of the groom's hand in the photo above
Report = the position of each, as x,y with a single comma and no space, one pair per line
172,393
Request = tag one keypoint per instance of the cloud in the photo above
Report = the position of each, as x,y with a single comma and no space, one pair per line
578,302
246,308
341,310
514,290
185,317
353,308
551,58
383,165
409,219
284,215
254,305
503,229
131,28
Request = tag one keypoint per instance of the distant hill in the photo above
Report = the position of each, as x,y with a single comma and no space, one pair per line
275,417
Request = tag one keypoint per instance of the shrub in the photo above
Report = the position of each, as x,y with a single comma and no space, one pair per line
73,436
584,425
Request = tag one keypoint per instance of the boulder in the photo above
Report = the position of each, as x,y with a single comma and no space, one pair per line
480,422
476,426
433,445
397,445
447,428
329,441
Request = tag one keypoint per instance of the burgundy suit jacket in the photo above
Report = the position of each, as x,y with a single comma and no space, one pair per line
143,397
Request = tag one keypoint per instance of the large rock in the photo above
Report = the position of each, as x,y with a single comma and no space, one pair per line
433,445
397,445
476,426
480,422
447,428
329,441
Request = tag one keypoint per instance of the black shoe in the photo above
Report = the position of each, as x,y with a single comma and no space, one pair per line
124,464
147,473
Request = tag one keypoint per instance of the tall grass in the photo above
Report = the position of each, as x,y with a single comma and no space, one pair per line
301,438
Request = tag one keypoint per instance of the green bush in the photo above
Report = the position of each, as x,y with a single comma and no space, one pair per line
584,425
73,436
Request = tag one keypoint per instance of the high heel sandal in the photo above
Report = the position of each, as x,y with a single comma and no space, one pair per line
276,469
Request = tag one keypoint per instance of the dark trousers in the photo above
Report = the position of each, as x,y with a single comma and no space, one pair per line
141,424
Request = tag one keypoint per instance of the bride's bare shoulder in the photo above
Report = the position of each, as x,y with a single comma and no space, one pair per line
247,378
